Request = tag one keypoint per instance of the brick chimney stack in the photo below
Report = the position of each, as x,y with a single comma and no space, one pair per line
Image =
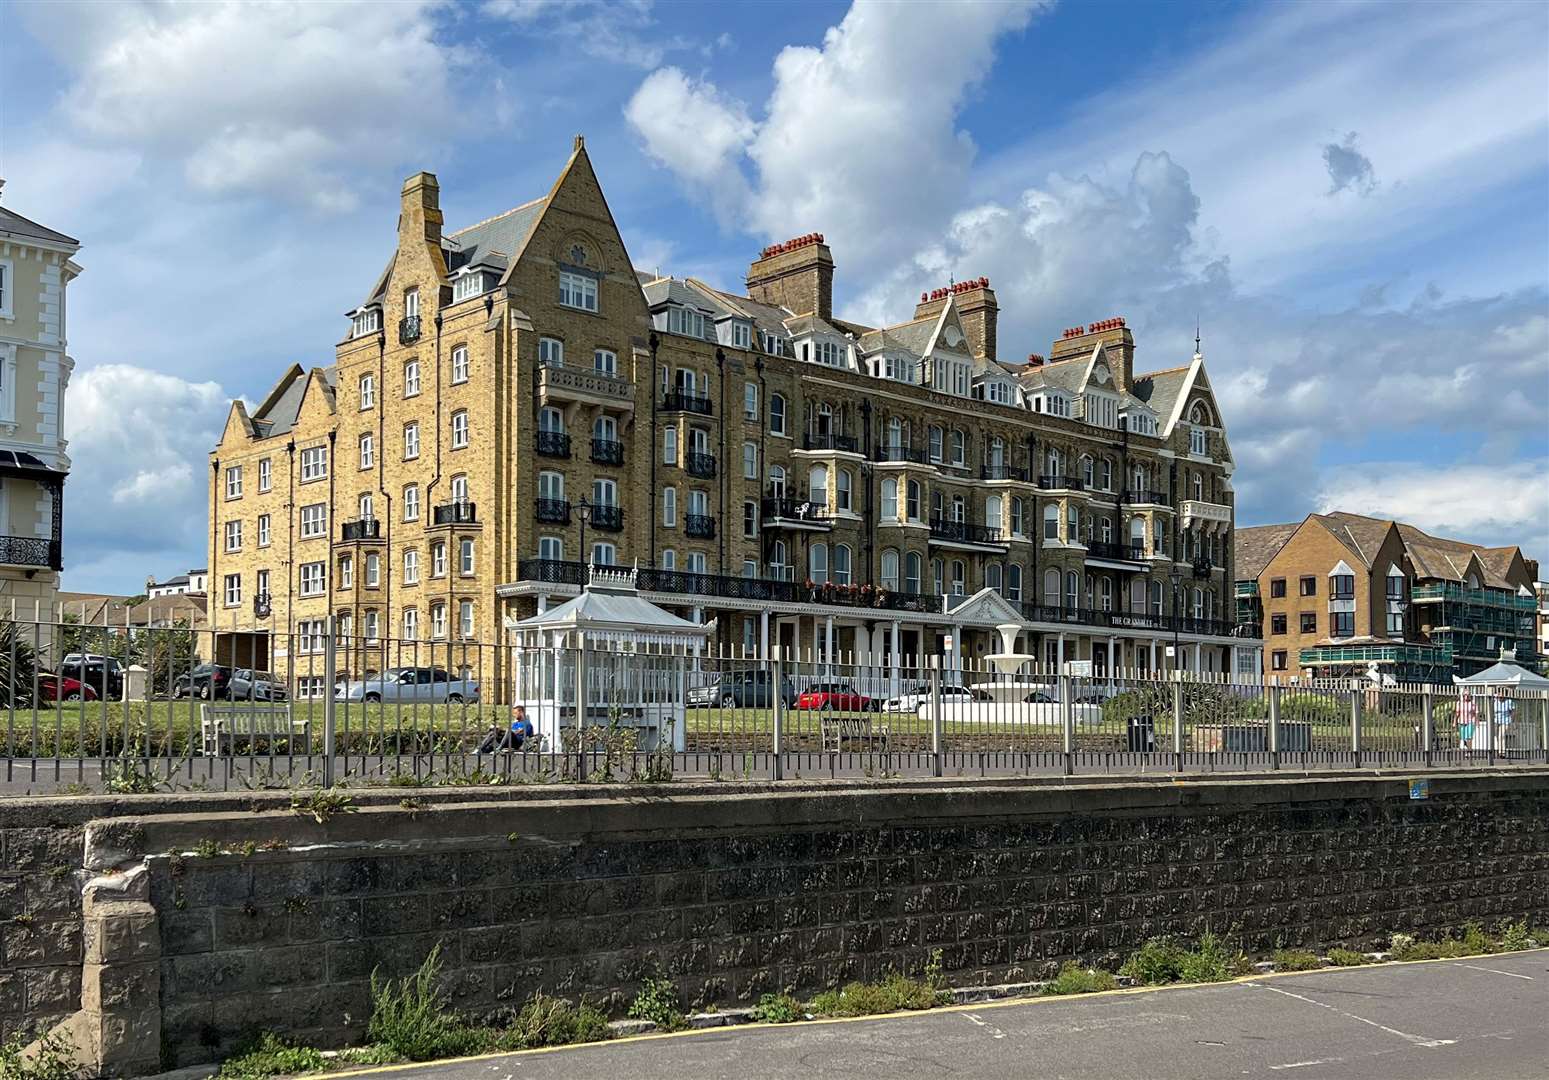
977,307
420,215
798,274
1116,339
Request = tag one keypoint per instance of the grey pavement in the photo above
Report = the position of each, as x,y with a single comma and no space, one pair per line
1484,1019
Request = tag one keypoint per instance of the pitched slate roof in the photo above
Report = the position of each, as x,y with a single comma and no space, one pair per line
1253,548
278,414
494,241
669,290
16,225
1362,535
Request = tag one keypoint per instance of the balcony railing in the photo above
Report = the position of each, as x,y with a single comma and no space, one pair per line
1003,472
408,329
607,518
1128,620
964,532
700,465
551,571
559,383
827,440
29,551
1202,569
684,401
1060,483
789,509
1149,498
553,511
553,444
699,526
912,454
361,529
458,512
607,452
1104,549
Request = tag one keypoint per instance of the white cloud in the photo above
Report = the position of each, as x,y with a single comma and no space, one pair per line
859,138
1446,501
283,99
618,31
137,494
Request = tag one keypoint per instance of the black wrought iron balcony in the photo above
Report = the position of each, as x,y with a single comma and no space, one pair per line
700,465
1060,483
361,529
1003,472
827,440
1104,549
699,526
551,571
408,329
457,512
553,444
553,511
913,454
607,452
1201,568
1152,498
785,508
964,532
685,401
607,518
28,551
681,582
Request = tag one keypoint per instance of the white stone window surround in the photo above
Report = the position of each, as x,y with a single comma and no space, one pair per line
7,289
7,383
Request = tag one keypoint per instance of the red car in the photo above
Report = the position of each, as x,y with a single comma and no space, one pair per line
835,697
63,688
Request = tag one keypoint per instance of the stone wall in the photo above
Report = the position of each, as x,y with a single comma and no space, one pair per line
801,890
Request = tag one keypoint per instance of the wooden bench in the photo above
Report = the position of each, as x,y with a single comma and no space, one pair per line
836,731
221,725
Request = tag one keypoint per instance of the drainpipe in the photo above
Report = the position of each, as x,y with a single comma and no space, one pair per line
763,460
656,450
720,369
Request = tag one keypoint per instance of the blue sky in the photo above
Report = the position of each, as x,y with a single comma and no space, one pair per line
1353,199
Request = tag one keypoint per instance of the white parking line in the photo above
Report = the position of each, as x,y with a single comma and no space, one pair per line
1304,1064
1417,1040
995,1032
1496,971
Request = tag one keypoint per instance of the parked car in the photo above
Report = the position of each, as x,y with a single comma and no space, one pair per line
249,685
208,682
835,697
103,674
918,696
410,684
53,687
741,690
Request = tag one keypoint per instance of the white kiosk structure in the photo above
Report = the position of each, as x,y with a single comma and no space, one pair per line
625,659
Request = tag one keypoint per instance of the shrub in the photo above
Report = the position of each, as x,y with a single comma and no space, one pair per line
893,994
1159,960
410,1019
1347,958
657,1001
1473,942
270,1055
1162,960
1211,961
1075,979
1515,936
551,1021
777,1009
1295,960
54,1060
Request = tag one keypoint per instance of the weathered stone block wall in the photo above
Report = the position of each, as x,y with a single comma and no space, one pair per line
40,917
803,889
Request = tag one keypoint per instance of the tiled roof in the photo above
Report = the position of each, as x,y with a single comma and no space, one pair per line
1253,548
282,410
1362,535
14,224
495,240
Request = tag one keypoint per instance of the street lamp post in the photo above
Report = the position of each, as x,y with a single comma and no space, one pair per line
1177,581
583,513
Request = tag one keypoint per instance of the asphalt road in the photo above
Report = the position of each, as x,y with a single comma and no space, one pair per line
1485,1019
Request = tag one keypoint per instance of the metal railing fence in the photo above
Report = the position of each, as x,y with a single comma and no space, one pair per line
148,708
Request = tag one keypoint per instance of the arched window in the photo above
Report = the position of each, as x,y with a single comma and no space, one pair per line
1087,476
997,452
1199,486
992,576
777,481
959,577
993,512
959,447
670,445
669,507
1199,603
914,500
1107,474
1072,590
1139,481
823,419
551,485
778,567
605,428
935,442
1051,523
1072,524
1137,534
895,432
1137,596
890,499
1014,583
776,414
938,576
817,563
1017,522
1106,592
912,570
843,482
366,506
550,419
817,485
842,564
890,569
959,508
1052,464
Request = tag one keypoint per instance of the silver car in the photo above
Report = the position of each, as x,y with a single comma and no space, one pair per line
917,697
410,684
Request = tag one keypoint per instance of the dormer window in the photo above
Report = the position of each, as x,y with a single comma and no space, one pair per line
828,354
468,286
997,392
1100,410
366,321
741,335
681,320
1052,403
578,291
773,344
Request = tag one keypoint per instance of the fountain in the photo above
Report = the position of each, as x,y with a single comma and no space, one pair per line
1006,661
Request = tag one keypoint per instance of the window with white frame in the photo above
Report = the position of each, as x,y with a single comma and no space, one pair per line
234,536
309,636
817,485
233,590
913,571
959,447
750,461
460,429
346,572
681,320
551,352
411,567
669,507
265,474
373,627
741,335
551,549
841,568
460,364
366,321
234,482
1016,516
605,362
843,483
997,392
314,520
312,579
817,563
467,286
411,378
373,570
779,569
1197,441
438,559
459,488
368,451
265,530
890,499
670,445
411,502
314,463
411,441
411,303
604,553
776,414
749,519
345,622
578,290
367,389
465,618
261,585
933,442
750,402
411,624
1014,583
438,621
669,559
367,507
6,290
890,568
465,557
829,353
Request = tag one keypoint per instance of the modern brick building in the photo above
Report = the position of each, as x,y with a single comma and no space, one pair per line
804,481
1341,595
